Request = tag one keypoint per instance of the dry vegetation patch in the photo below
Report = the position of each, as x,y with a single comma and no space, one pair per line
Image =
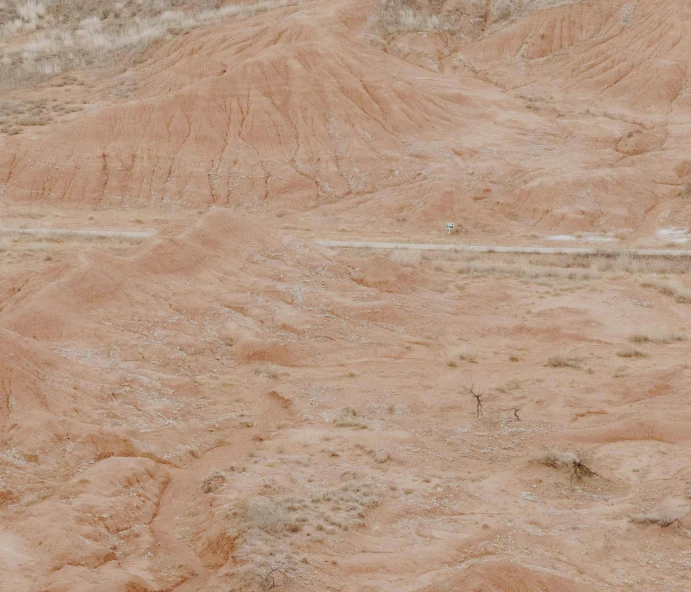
663,518
566,460
49,37
564,361
466,18
273,529
675,289
654,270
348,418
662,339
631,352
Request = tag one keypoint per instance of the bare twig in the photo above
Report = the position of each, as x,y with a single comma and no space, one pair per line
477,395
515,412
269,581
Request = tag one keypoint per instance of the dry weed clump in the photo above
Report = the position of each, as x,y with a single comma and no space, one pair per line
663,339
662,518
270,371
406,257
49,37
564,361
550,266
566,460
504,10
15,114
676,290
265,514
521,271
214,482
347,418
271,530
631,353
396,17
404,16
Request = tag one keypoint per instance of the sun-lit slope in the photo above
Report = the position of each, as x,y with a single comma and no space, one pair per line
279,105
636,53
542,120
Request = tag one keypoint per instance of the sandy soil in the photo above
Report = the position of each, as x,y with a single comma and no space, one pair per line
229,405
223,402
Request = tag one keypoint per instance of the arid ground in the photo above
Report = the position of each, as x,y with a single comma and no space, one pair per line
227,405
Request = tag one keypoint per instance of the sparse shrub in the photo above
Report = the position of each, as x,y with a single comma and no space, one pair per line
404,16
631,353
347,418
269,371
562,361
680,293
660,339
262,513
213,482
560,459
661,518
60,35
406,257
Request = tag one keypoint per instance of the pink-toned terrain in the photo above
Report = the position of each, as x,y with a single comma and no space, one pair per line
228,406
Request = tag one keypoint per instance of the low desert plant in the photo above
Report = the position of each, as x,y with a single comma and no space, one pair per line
60,35
404,16
347,418
213,483
571,461
478,395
679,292
406,257
468,357
262,513
563,361
631,353
270,371
661,518
660,339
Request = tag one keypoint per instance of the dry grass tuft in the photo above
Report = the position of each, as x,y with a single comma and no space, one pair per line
659,339
213,483
566,460
563,361
467,356
405,16
661,518
406,257
631,353
675,289
347,418
270,371
45,38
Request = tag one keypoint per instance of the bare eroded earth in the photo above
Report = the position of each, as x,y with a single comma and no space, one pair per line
228,405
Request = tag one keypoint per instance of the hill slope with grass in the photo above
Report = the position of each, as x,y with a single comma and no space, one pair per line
513,116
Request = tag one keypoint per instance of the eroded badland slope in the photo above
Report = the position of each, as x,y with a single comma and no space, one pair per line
573,117
229,406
